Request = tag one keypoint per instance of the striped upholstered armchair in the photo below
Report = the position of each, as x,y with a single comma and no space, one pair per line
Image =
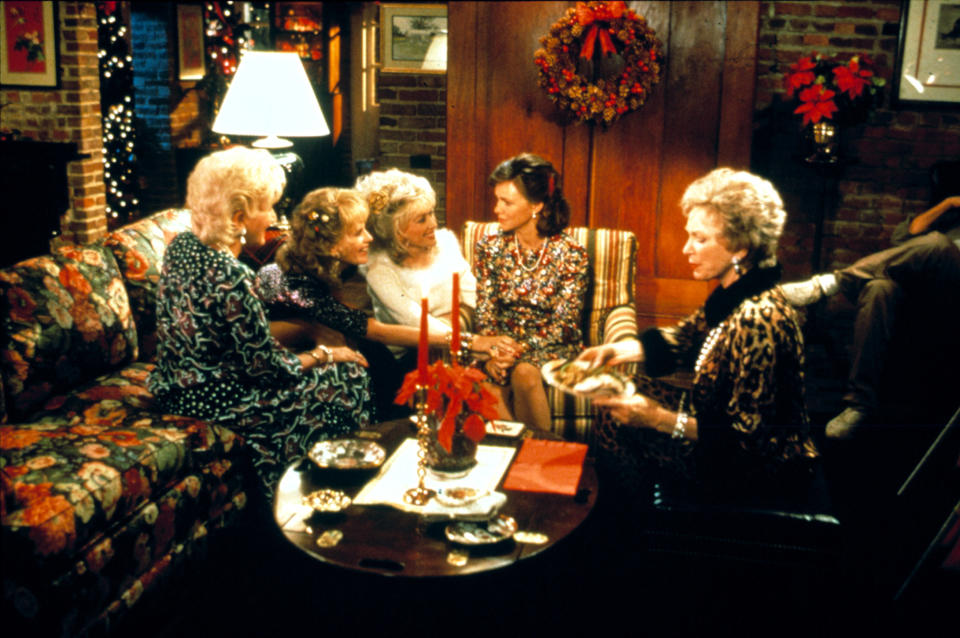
609,312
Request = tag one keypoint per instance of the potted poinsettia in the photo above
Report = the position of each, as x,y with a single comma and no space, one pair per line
457,403
826,87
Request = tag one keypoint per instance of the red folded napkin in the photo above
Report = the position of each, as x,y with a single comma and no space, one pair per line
547,466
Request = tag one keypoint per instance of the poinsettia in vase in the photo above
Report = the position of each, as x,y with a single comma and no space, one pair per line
831,91
457,404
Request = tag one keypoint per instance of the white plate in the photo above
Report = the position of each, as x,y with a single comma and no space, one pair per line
459,496
550,367
348,454
505,428
497,529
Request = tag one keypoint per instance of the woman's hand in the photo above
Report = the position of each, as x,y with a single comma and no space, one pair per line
498,369
348,355
496,345
611,354
637,410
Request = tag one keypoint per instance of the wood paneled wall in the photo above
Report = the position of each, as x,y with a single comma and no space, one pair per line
630,176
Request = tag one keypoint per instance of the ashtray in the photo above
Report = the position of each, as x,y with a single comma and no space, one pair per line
459,496
504,428
348,454
327,500
497,529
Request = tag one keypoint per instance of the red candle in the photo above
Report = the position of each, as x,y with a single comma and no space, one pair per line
455,316
423,347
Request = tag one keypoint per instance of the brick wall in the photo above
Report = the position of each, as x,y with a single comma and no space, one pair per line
413,123
153,52
886,172
70,114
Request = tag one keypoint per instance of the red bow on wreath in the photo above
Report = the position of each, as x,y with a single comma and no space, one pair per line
592,16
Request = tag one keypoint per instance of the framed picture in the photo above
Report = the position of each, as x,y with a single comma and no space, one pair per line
928,65
190,55
29,32
413,38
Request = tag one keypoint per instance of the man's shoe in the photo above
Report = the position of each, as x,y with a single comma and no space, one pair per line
843,426
804,293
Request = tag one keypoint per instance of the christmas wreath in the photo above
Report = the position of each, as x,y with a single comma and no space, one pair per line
599,60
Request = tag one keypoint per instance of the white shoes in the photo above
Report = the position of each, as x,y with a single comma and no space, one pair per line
804,293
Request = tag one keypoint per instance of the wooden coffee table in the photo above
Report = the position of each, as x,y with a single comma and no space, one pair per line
384,540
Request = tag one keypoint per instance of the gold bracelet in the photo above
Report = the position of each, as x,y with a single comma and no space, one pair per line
328,354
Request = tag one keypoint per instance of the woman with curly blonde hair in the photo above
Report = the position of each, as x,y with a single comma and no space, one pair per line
303,289
412,258
216,358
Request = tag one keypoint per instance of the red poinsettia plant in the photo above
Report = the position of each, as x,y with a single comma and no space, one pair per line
828,86
453,390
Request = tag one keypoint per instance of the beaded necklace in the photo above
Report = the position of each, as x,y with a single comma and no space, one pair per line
712,337
519,255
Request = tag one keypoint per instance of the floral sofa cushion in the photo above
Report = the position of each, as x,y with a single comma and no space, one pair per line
91,458
66,319
138,249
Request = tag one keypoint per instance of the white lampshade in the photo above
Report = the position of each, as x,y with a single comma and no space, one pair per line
271,96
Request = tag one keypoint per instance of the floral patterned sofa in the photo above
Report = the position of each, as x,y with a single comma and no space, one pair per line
102,500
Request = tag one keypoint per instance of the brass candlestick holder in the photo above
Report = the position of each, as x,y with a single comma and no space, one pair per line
420,495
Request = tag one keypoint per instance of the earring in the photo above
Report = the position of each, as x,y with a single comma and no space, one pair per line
737,267
243,235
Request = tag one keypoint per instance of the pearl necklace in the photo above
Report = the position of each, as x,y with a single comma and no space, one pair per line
712,337
519,254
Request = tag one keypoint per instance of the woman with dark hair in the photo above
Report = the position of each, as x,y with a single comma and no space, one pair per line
328,236
531,280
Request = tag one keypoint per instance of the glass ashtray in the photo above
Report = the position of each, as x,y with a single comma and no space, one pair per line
327,500
348,454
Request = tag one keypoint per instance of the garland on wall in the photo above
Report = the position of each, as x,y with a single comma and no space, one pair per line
117,115
599,61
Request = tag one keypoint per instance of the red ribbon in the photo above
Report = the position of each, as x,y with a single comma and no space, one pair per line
606,44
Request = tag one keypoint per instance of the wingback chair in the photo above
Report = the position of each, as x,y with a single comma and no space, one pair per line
609,312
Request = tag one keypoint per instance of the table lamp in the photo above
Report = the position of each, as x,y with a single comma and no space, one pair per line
271,98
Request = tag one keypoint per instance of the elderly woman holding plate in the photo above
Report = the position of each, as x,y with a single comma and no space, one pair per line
744,423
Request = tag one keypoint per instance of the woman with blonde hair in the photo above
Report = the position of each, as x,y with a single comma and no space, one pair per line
216,358
411,258
328,237
743,425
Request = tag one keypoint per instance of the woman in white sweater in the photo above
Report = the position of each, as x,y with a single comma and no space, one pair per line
411,258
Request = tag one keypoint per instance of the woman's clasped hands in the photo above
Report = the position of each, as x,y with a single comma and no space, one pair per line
504,352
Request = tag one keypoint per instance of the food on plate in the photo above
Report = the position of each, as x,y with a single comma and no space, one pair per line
600,381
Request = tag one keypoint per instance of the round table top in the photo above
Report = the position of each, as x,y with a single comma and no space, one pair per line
385,540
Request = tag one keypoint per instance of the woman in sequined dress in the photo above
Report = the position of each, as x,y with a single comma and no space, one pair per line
531,282
744,422
216,358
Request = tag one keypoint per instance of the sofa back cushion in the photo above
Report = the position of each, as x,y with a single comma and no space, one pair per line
66,319
612,255
139,248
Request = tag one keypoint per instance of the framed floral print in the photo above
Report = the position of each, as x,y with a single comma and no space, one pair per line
190,46
29,39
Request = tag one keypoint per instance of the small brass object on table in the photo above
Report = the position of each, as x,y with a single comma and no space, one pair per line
420,495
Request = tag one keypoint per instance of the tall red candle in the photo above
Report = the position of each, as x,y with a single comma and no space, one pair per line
455,315
423,347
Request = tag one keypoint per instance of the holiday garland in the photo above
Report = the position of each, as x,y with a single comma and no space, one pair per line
599,60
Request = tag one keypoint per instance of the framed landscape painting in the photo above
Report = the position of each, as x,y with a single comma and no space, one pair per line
29,40
413,38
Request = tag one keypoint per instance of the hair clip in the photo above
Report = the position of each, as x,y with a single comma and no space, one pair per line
550,185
